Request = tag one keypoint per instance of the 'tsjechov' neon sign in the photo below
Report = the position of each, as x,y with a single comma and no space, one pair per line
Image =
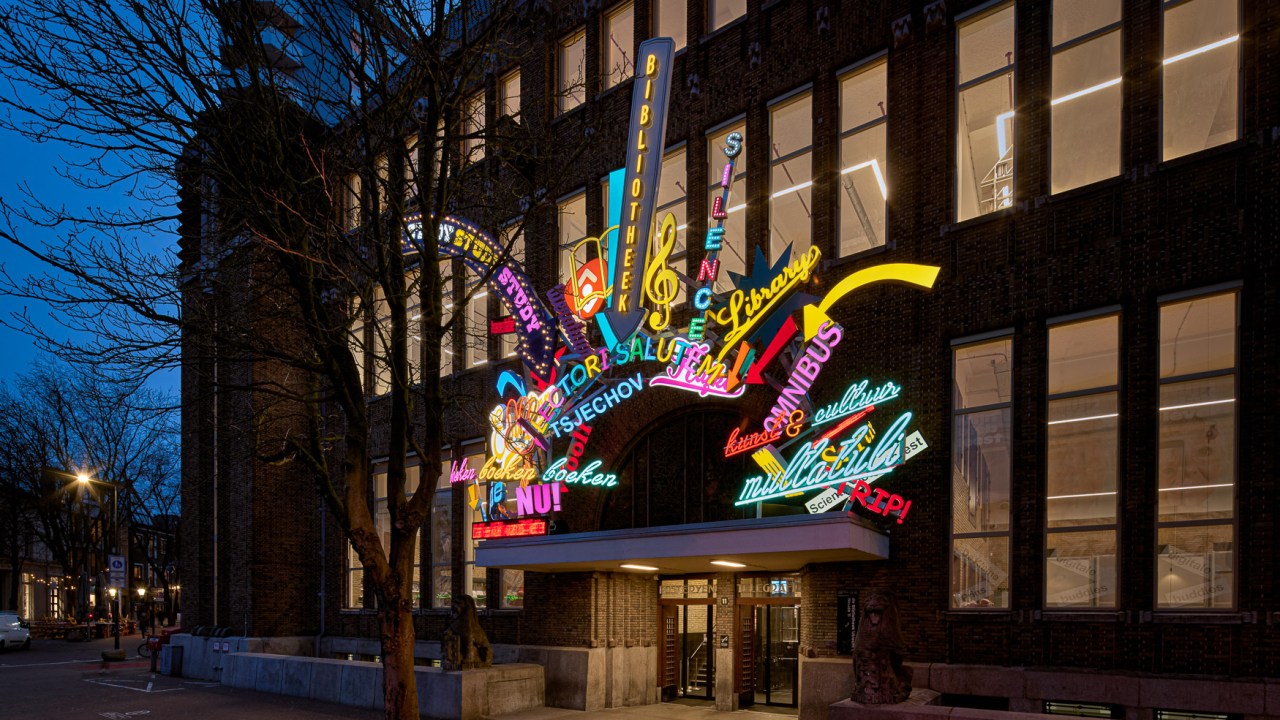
809,470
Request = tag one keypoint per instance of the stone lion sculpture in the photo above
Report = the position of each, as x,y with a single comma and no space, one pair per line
878,674
465,645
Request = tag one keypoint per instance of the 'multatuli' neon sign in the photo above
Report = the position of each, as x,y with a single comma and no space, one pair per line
808,470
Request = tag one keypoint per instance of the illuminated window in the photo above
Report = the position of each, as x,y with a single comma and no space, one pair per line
733,250
353,598
473,128
475,578
723,12
411,170
512,588
572,214
413,313
980,469
1201,75
446,314
381,343
477,321
670,19
1090,710
513,237
1195,525
572,71
790,176
619,45
441,538
1085,106
382,517
671,199
357,338
509,93
984,141
1083,432
864,167
351,202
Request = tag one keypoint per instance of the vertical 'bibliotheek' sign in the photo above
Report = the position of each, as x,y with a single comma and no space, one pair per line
640,189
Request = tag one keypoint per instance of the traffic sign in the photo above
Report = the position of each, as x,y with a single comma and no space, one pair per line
115,571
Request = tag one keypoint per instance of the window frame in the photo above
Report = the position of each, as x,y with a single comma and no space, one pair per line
1067,45
606,71
792,96
1205,293
1117,388
956,345
504,98
656,21
473,149
865,65
1165,6
974,15
563,93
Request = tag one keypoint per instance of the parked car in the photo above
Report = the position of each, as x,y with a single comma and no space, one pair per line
14,633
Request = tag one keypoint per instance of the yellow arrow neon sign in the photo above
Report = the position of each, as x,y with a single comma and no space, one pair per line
920,275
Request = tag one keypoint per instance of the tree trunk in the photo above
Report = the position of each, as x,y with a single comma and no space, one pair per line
399,684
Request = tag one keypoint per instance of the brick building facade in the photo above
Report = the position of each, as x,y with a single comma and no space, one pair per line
1150,222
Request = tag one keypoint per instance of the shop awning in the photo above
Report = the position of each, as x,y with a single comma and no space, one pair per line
760,544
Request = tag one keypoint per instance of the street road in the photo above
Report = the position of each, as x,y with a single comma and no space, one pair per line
59,680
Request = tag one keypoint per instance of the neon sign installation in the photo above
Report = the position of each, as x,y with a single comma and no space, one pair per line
810,469
574,332
744,312
710,268
537,499
598,404
644,164
459,472
892,501
792,428
856,398
557,473
804,373
519,528
709,377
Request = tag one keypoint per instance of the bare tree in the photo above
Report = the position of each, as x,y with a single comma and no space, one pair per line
263,136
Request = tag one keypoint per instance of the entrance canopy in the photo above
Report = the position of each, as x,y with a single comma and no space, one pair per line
760,544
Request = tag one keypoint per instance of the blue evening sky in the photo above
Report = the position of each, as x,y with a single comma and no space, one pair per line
37,165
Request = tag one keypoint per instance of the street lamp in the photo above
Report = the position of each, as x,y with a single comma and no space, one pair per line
85,480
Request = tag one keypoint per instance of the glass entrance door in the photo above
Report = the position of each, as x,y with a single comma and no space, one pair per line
777,661
695,627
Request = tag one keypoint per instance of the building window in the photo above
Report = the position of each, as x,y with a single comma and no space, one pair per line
473,128
479,508
381,343
723,12
512,237
1085,105
790,176
477,321
1083,436
1075,709
733,249
572,69
411,170
413,311
446,314
984,108
671,199
1197,477
512,588
509,94
671,19
354,597
864,191
351,202
619,61
356,338
382,518
1201,75
980,469
572,216
441,540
